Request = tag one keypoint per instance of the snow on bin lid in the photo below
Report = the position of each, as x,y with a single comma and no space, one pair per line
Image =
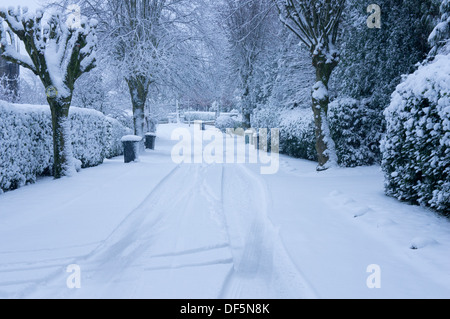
150,134
249,132
131,138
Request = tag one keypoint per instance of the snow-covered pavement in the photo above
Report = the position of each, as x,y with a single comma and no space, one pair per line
155,229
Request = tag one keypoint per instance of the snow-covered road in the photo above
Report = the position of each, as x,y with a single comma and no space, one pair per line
155,229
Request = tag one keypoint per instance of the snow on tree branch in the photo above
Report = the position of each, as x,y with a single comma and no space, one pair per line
315,22
58,53
7,42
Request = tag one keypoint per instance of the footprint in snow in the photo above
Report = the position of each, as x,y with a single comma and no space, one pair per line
385,222
335,193
422,242
361,211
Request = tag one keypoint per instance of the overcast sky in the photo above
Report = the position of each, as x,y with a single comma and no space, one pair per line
31,4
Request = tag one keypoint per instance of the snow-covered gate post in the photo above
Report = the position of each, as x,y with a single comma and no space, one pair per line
59,52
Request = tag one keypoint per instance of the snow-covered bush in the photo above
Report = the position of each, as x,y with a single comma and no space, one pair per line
440,36
200,116
416,148
225,122
266,116
26,144
355,129
95,136
88,141
297,134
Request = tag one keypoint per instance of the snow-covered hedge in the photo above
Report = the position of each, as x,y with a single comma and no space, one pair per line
297,134
200,116
26,145
416,149
266,117
355,129
225,122
354,126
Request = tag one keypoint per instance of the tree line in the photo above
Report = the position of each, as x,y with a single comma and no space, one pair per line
258,56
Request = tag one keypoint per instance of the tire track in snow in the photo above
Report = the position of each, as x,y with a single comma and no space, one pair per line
158,235
191,235
134,220
25,267
262,268
191,251
58,275
98,187
135,235
198,264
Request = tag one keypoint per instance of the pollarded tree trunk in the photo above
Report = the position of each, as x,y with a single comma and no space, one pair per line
62,145
325,146
139,88
316,24
59,53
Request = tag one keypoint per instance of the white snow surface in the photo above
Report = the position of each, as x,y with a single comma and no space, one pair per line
320,91
131,138
154,229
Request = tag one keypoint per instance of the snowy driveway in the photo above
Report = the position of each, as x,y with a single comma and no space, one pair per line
155,229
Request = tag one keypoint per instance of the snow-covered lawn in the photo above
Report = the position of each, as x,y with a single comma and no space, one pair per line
155,229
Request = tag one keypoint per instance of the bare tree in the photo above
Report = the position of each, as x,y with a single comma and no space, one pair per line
59,52
246,31
135,35
316,23
150,44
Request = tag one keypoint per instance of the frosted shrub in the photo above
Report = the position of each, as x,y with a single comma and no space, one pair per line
88,142
355,128
416,153
26,143
225,122
114,131
266,117
200,116
297,136
297,132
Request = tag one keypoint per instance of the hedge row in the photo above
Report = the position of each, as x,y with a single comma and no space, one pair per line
416,149
355,129
26,145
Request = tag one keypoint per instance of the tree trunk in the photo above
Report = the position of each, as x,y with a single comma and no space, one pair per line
325,146
62,145
247,109
139,91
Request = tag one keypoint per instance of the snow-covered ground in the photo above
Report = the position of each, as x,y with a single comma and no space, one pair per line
156,229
